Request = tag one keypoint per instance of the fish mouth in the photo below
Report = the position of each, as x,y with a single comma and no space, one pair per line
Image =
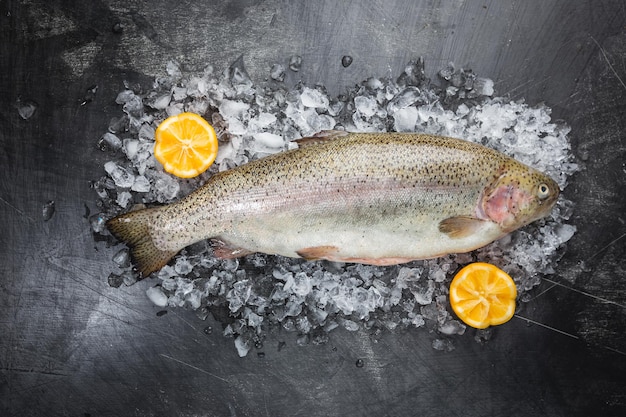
545,206
538,208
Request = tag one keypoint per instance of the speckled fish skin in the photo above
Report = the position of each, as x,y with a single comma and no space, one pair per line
375,198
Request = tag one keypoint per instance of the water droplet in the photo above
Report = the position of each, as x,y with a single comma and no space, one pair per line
359,363
208,330
295,63
48,210
346,61
115,280
26,109
122,258
90,94
277,73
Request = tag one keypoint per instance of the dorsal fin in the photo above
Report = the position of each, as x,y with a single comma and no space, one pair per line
320,137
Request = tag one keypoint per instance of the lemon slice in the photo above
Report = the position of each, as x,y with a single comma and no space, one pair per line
186,145
483,295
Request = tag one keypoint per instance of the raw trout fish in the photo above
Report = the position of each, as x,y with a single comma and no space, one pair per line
372,198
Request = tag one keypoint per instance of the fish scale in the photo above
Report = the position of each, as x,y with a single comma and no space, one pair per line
375,198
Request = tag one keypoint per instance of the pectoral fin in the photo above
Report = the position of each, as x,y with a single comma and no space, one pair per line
460,226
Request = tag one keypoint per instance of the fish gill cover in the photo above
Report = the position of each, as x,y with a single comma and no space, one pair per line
259,293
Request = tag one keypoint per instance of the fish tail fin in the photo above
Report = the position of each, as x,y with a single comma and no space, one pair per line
133,229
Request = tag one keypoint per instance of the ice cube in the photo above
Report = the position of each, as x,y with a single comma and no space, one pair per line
253,319
483,335
157,296
303,325
231,109
160,102
131,147
349,325
238,296
118,124
404,98
134,108
452,327
120,175
122,258
173,70
263,121
277,72
418,320
443,345
179,93
423,291
141,184
165,188
484,86
317,122
268,140
405,119
124,96
97,222
182,266
293,307
301,284
174,108
242,345
366,105
194,299
146,132
123,198
198,106
446,73
565,232
109,141
314,98
413,73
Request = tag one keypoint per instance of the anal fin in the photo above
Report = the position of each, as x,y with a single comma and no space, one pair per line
318,252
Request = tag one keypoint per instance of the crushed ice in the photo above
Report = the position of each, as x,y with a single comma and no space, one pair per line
313,298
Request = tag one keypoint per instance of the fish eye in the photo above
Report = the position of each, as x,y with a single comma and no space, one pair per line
543,191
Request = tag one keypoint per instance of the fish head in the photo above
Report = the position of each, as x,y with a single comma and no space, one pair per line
518,196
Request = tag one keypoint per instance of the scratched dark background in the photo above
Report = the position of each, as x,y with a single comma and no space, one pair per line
72,346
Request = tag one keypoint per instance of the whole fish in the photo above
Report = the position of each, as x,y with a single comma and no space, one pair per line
372,198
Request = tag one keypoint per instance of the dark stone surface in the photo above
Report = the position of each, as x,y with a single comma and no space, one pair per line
70,345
